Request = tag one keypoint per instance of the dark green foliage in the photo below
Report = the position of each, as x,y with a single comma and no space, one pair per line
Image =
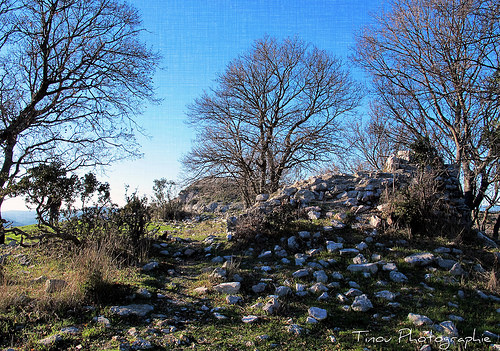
132,219
47,186
164,206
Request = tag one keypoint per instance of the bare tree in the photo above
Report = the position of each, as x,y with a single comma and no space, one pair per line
275,110
370,142
435,65
73,74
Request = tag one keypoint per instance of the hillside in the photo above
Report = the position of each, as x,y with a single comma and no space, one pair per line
315,266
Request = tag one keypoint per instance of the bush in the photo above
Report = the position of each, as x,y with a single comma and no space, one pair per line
272,224
422,207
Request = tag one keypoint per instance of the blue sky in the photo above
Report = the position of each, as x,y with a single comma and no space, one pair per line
197,39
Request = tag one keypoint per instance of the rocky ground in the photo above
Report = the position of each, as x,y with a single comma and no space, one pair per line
326,288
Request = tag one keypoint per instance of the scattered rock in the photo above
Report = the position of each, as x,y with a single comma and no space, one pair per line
294,329
419,320
448,328
398,277
233,300
134,309
317,313
420,259
366,267
283,291
457,270
258,288
386,295
361,304
228,288
51,340
271,306
249,319
320,276
301,273
150,266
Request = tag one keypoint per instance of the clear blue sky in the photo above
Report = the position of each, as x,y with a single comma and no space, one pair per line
197,39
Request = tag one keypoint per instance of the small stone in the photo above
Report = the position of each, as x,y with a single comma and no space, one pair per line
354,285
51,340
320,276
332,246
219,316
301,273
266,254
386,295
258,288
337,276
228,288
353,292
317,313
420,259
283,291
219,273
292,243
342,298
134,309
455,318
359,259
103,321
304,235
294,329
398,277
318,288
345,252
323,297
70,330
446,264
311,320
189,252
365,267
457,270
271,306
389,267
448,328
250,319
361,304
419,320
150,266
143,293
233,300
362,246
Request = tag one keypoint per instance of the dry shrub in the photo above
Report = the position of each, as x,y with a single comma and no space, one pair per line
94,267
266,225
88,271
493,284
422,207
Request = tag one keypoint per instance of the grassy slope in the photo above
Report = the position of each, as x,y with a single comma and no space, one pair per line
24,325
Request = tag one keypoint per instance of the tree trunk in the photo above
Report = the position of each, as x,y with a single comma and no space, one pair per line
8,152
496,228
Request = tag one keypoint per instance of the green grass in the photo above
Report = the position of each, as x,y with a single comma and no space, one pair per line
196,326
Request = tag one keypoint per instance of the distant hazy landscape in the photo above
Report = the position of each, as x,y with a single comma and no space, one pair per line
19,218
